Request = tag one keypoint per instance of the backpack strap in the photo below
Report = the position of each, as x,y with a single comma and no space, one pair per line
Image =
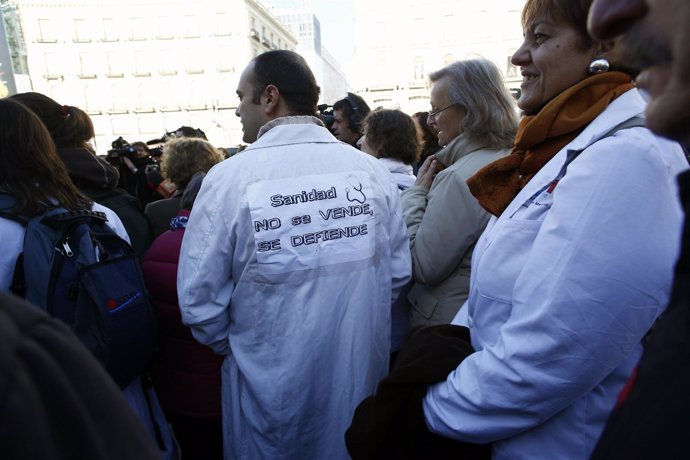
18,286
7,203
8,215
57,220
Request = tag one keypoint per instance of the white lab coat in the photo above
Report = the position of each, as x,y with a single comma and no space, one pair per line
563,288
306,327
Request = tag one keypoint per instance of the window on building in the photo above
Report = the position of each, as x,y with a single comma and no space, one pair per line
166,28
150,126
222,25
168,62
142,63
53,66
419,68
59,92
146,92
46,31
192,27
170,96
197,95
88,65
119,95
195,61
226,99
137,29
82,31
92,99
224,59
512,71
115,64
111,30
122,125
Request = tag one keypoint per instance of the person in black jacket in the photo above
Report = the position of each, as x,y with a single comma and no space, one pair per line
182,158
71,129
56,401
652,418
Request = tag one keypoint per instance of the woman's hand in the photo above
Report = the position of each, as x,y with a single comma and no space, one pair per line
428,170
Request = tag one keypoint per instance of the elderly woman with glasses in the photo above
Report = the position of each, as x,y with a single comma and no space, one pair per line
476,120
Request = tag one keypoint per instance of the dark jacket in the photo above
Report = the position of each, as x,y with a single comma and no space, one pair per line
186,374
97,179
653,417
160,212
56,401
390,424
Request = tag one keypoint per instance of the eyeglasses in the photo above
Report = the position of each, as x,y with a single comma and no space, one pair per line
434,113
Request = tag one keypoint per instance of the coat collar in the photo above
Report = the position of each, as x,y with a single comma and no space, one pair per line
290,120
621,109
456,149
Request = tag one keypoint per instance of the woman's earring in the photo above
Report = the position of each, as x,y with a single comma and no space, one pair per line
598,66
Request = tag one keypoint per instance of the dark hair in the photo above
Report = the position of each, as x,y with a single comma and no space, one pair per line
142,145
392,134
30,170
428,136
68,126
355,109
572,12
289,72
188,131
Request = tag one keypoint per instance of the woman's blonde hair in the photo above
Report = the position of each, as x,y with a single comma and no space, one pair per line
477,86
185,156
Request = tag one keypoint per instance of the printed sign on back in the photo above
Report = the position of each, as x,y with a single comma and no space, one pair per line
312,221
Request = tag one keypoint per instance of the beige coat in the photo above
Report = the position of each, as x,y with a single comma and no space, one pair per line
444,223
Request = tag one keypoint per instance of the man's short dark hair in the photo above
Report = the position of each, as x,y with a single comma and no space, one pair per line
289,72
354,109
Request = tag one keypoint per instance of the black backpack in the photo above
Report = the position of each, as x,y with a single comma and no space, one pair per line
78,270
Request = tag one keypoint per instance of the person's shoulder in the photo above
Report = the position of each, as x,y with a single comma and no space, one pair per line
165,203
165,247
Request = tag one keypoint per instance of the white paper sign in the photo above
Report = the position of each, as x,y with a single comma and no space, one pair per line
311,221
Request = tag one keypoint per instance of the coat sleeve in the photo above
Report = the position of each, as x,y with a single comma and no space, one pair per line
12,234
443,224
204,276
597,274
400,250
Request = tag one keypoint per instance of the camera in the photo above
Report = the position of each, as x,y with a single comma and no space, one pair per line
156,152
326,112
120,148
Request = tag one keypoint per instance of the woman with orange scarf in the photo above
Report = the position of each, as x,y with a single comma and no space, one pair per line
576,262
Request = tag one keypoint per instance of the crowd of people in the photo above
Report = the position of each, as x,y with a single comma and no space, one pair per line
489,279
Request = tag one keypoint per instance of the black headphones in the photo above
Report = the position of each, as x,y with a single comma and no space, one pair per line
356,118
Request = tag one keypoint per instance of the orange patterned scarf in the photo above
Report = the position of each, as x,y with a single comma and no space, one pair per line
541,136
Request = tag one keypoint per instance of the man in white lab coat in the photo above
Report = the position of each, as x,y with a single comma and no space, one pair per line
292,256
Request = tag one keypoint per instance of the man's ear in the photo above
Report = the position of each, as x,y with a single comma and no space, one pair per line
272,97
